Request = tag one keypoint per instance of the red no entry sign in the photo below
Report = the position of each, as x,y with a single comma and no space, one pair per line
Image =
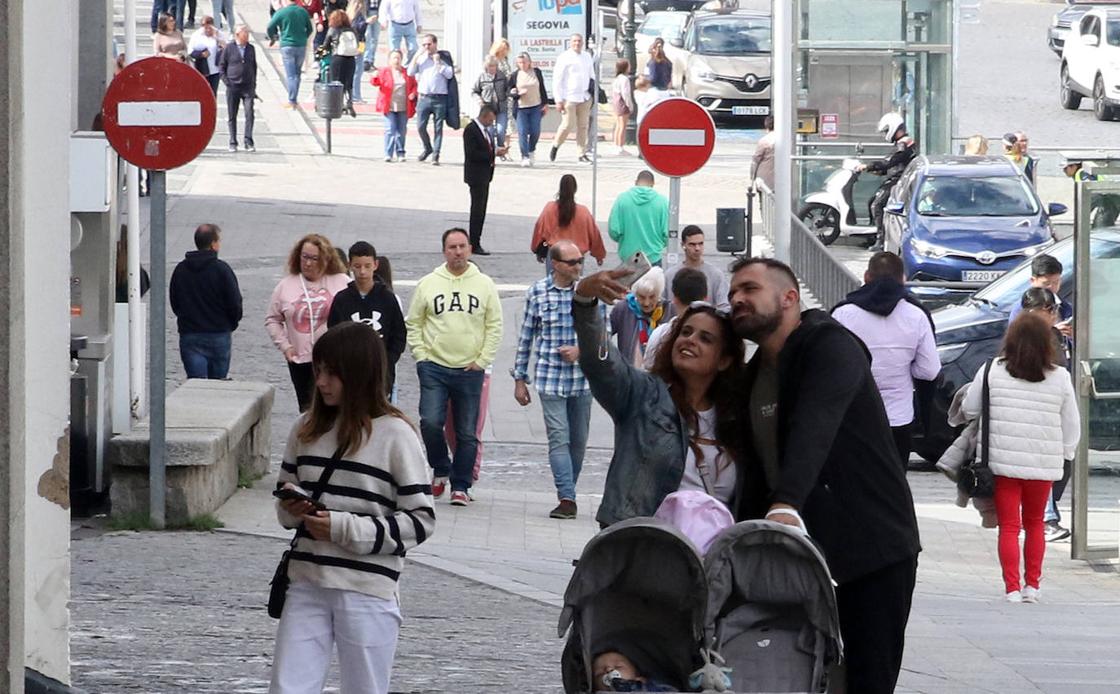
158,113
676,137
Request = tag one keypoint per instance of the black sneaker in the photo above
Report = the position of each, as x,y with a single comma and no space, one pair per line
427,153
566,510
1054,531
552,153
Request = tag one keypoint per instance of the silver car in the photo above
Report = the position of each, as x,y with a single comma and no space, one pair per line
728,65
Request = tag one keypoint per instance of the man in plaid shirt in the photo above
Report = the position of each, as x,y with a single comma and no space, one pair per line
564,393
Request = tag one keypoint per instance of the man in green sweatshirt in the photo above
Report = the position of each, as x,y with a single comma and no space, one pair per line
293,25
454,329
639,220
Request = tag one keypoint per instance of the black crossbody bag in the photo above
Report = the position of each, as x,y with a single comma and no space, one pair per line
976,478
278,592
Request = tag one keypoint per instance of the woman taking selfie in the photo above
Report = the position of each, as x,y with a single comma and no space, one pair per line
1033,427
360,458
669,423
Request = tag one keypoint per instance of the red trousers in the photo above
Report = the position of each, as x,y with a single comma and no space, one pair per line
1020,504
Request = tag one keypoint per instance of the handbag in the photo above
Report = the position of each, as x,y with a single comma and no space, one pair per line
278,590
975,477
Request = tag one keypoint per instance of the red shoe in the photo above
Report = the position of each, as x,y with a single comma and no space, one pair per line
460,499
439,485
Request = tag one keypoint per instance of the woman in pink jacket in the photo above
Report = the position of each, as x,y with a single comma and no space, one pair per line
301,302
396,100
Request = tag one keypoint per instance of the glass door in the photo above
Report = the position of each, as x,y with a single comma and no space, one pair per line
1096,483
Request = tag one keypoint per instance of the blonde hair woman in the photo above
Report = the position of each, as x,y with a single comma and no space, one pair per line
976,145
500,51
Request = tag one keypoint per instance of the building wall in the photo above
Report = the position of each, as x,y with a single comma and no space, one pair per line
38,329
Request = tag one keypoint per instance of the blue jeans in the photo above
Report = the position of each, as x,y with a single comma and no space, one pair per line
406,32
566,420
161,7
431,105
529,129
396,125
356,86
373,33
205,355
501,125
293,68
223,6
463,388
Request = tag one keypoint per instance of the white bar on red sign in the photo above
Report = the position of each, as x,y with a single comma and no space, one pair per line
159,113
676,136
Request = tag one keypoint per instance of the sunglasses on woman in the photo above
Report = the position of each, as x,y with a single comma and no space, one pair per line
708,306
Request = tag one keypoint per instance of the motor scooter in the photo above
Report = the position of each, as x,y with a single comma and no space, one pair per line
830,213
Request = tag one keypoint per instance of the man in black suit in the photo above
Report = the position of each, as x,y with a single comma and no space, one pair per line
238,67
479,150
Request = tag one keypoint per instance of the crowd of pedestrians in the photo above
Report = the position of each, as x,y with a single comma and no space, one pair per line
812,431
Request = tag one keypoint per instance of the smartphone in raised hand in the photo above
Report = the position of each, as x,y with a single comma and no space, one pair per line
635,265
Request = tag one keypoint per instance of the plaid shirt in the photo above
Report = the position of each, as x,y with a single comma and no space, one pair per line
548,323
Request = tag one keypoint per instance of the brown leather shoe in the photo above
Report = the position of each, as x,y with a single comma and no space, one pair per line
566,510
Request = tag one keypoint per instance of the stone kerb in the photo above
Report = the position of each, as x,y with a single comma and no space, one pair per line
215,429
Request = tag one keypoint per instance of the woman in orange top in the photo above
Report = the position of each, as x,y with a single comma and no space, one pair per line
564,218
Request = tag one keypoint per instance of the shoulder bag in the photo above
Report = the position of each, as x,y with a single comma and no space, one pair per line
278,592
976,478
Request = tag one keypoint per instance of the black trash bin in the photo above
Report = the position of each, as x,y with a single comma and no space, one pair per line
328,99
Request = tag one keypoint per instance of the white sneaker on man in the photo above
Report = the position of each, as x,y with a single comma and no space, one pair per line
525,162
1032,594
1014,596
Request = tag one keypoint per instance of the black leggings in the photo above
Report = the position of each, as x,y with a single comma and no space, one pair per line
303,380
342,70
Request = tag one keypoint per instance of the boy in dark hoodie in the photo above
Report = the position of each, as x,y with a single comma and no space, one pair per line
365,300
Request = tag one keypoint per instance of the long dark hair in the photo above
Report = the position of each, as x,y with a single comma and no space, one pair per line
1028,348
723,391
355,353
566,199
384,272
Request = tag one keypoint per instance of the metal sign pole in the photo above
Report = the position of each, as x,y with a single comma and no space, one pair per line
157,460
674,221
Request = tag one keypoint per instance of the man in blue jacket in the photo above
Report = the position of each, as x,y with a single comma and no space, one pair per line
207,303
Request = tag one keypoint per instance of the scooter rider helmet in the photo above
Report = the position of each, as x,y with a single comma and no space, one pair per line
890,124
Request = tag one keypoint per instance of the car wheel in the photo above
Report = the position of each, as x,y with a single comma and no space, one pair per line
823,220
1101,109
1071,100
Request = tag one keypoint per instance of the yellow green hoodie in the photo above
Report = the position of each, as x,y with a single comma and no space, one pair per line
454,321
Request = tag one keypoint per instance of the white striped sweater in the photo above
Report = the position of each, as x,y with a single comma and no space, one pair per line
380,502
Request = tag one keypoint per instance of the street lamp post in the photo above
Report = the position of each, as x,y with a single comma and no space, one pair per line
630,49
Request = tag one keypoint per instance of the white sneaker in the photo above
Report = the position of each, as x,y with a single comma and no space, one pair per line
525,162
1014,596
1031,594
620,151
532,158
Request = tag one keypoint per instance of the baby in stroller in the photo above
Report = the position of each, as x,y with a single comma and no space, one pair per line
627,662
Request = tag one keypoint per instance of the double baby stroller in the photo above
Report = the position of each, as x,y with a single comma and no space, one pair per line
760,603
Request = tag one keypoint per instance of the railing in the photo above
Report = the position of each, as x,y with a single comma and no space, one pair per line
823,275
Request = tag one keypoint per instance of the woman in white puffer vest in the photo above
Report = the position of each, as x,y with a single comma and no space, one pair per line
1034,428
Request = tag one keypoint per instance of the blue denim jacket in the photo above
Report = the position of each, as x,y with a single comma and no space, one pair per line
650,436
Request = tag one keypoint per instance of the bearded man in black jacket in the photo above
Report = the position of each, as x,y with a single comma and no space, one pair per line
820,456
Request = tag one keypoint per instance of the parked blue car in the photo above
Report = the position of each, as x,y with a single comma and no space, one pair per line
965,218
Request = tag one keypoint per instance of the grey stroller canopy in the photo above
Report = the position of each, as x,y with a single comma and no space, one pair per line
772,612
639,581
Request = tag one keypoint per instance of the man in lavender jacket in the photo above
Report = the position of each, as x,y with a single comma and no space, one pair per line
898,332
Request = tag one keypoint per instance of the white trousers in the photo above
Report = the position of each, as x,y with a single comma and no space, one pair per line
365,629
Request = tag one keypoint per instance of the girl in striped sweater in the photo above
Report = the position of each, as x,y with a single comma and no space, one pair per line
347,560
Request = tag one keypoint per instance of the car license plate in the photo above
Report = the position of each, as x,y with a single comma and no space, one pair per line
750,110
980,275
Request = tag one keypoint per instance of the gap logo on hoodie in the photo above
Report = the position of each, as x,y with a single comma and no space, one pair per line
453,302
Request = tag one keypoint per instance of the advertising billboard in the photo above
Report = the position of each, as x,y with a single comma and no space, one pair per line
541,28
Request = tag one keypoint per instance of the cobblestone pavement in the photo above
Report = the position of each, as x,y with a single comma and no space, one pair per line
184,612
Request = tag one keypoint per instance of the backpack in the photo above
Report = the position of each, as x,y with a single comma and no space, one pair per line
347,44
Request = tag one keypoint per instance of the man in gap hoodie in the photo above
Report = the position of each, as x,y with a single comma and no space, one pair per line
454,329
367,300
639,220
207,303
